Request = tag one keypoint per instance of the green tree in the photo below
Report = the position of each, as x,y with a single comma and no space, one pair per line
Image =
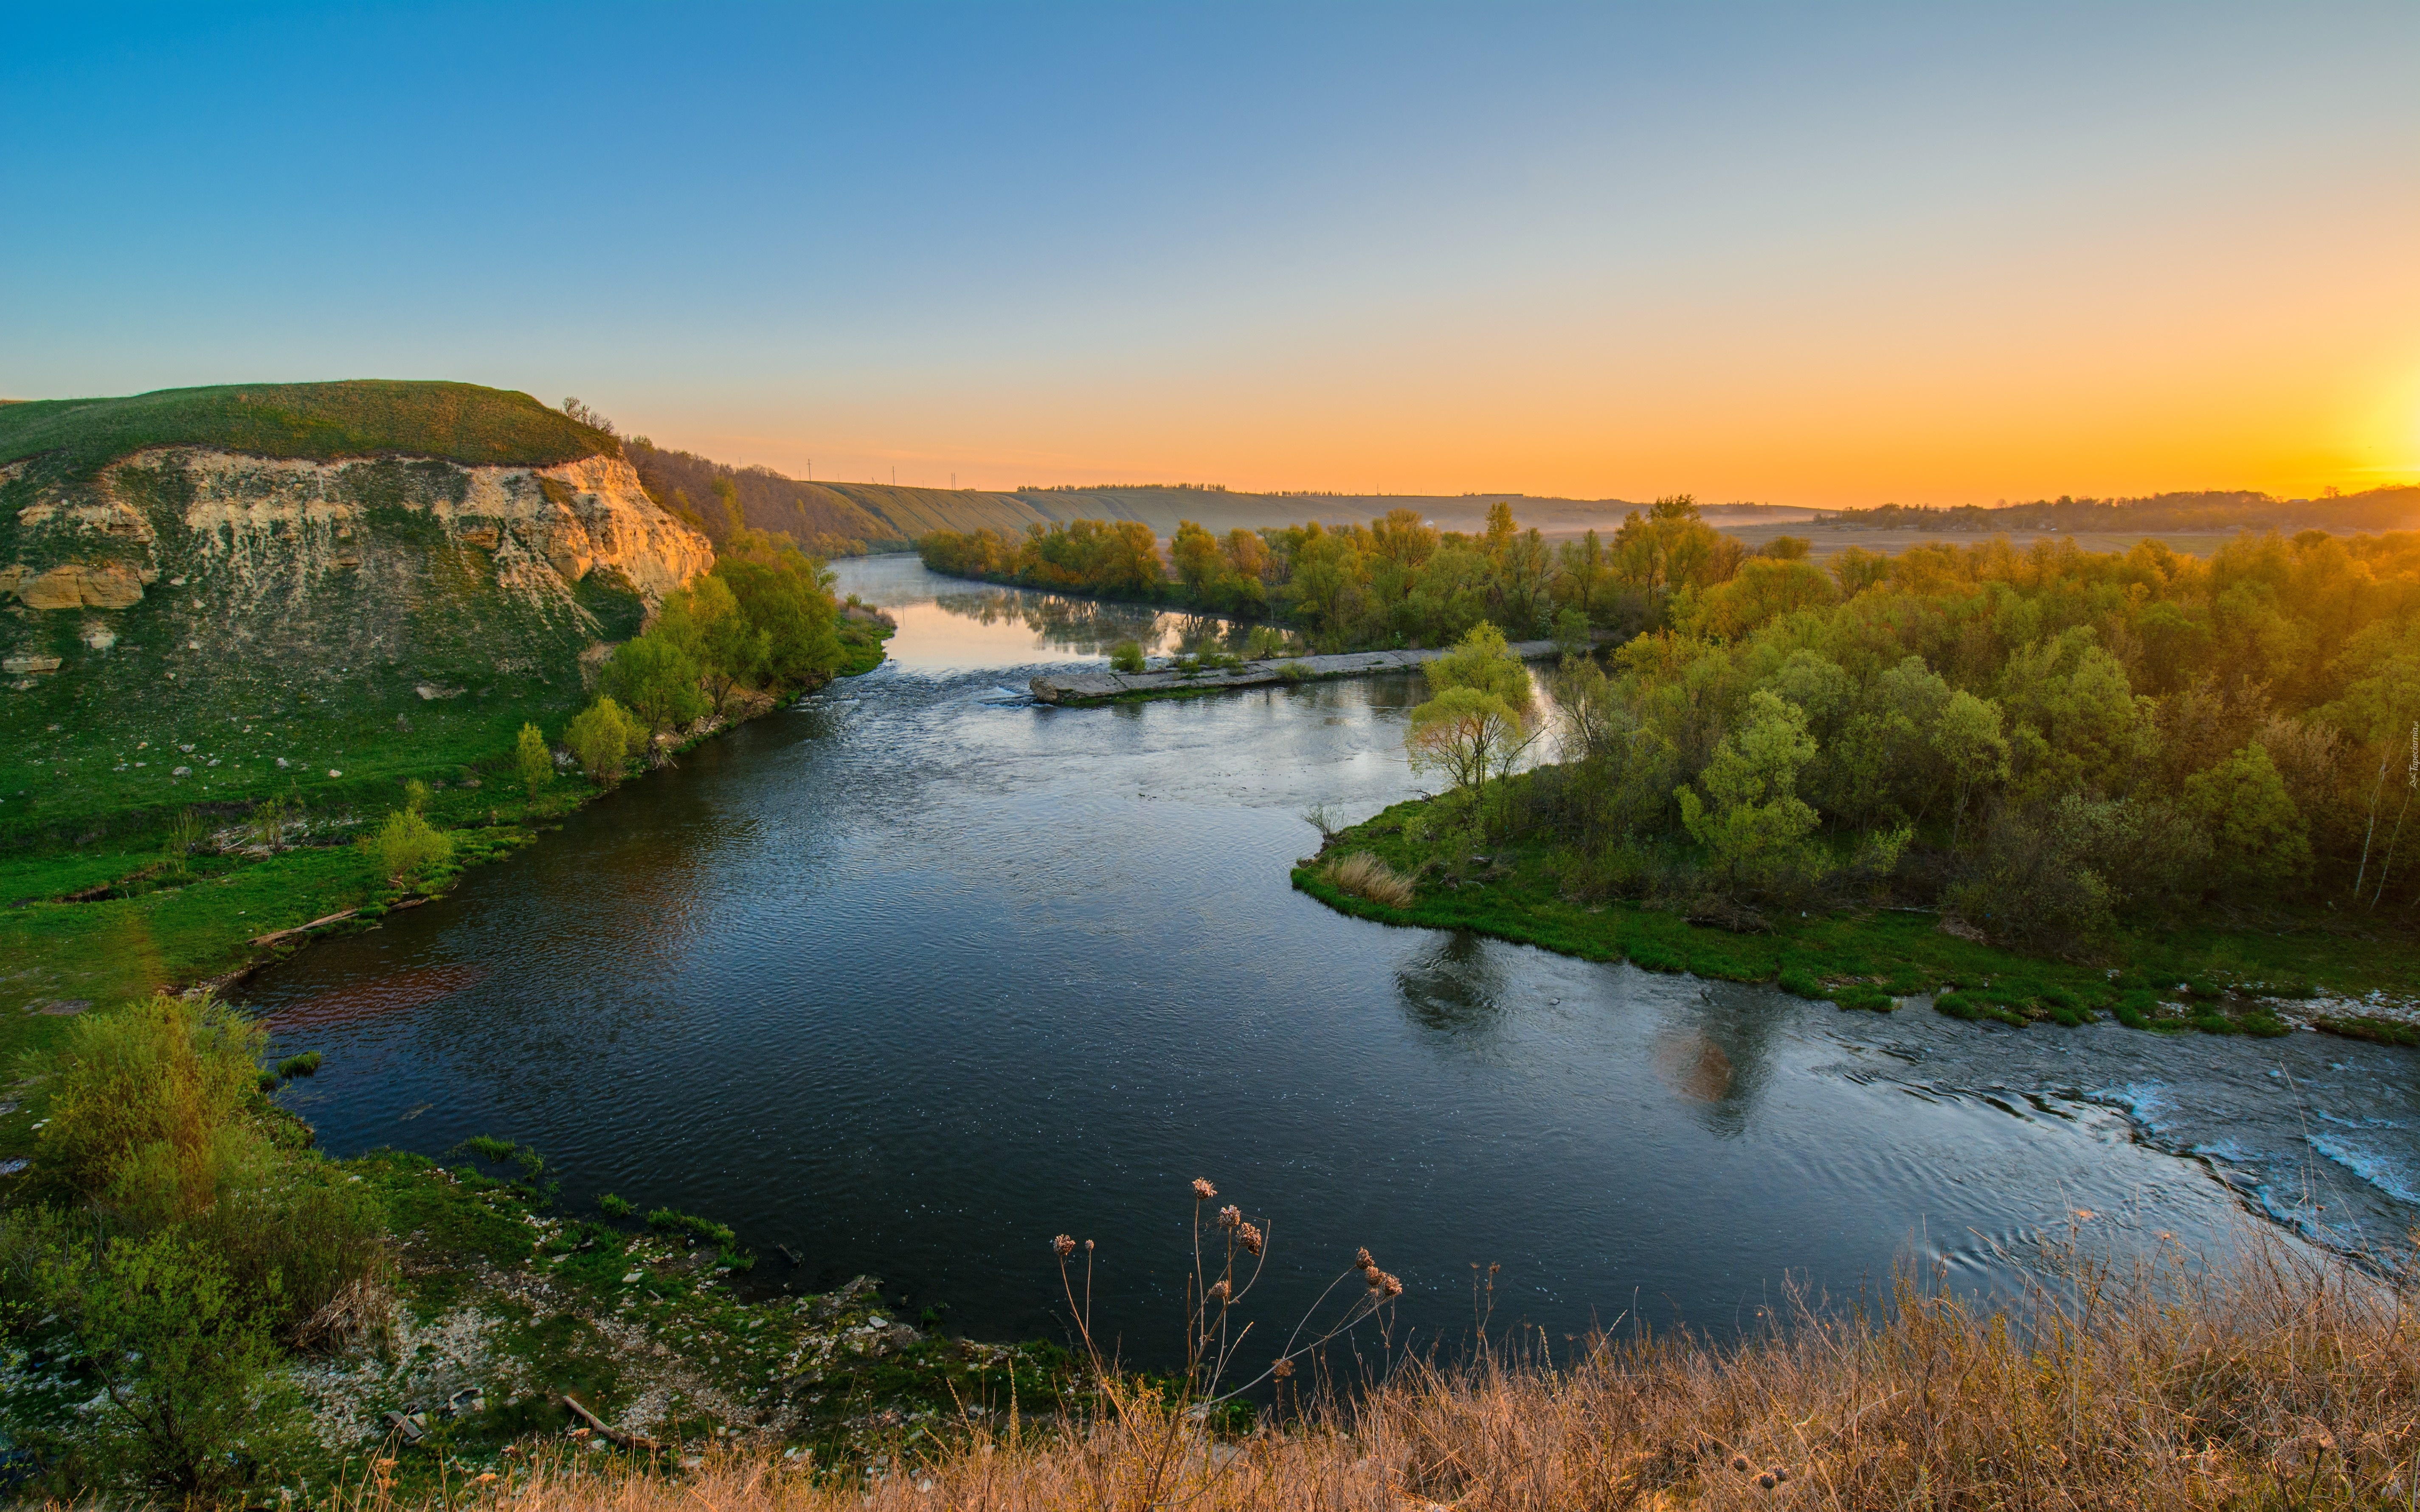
2256,835
1199,564
1482,661
1752,821
408,845
1465,733
706,620
2076,721
788,596
604,738
186,1364
1966,737
656,682
533,760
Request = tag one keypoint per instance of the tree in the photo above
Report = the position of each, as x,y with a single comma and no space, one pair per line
1482,660
655,681
604,738
1966,737
1467,733
2077,721
533,760
1199,564
788,595
2256,835
706,620
1756,825
407,845
185,1362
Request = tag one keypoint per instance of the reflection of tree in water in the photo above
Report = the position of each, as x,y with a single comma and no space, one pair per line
1453,987
1088,625
1715,1050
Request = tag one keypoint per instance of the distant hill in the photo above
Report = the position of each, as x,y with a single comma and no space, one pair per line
209,595
2376,509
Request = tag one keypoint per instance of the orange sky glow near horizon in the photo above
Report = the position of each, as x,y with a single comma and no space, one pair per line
1823,257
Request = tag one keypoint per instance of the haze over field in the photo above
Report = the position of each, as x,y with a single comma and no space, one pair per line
1813,258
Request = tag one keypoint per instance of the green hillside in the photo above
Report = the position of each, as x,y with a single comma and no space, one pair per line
72,439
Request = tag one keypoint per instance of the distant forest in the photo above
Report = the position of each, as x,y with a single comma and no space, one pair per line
2376,509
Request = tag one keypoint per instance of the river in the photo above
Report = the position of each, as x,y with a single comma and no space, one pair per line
910,982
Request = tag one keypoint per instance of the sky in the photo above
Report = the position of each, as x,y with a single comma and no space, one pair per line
1815,256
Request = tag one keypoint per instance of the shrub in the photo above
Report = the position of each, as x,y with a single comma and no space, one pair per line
191,1407
306,1064
604,738
1126,656
1365,876
533,760
407,845
613,1207
156,1086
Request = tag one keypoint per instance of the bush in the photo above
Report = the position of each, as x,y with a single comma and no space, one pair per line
153,1090
306,1064
604,738
613,1207
407,846
191,1407
1126,656
533,760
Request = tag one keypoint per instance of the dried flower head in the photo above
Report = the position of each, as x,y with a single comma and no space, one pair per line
1779,1473
1361,1257
1230,1216
1767,1480
1249,1237
1220,1292
1282,1369
1382,1284
1202,1190
1063,1246
1088,1247
1738,1462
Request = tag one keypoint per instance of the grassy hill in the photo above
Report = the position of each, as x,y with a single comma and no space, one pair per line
346,577
72,439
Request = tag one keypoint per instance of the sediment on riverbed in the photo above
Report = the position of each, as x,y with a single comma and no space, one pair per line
1079,690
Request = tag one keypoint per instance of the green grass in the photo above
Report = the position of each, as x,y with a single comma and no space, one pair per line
2182,976
367,417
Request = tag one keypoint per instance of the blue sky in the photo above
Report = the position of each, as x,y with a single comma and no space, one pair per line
1947,252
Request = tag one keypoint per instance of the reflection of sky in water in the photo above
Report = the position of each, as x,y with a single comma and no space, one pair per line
911,983
949,625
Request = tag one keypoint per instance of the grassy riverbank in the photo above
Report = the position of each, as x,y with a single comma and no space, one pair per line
2264,1380
2197,975
120,920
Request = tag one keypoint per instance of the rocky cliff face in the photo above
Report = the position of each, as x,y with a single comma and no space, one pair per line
272,528
181,589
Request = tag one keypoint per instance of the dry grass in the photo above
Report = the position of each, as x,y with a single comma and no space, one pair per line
2277,1382
1366,876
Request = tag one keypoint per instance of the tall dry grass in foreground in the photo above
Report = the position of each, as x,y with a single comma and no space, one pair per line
2279,1380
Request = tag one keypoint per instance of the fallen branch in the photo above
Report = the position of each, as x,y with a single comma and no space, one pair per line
275,935
615,1435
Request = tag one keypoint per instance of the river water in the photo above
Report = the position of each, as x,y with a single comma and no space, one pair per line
917,976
